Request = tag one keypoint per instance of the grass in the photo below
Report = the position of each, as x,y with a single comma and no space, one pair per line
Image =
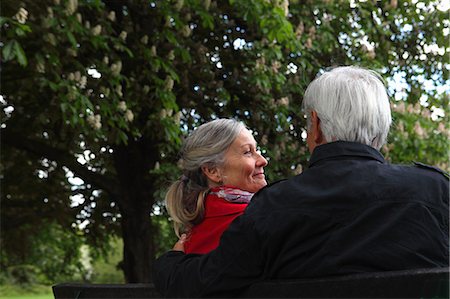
29,296
26,292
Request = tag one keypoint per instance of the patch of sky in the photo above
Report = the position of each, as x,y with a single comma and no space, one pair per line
94,73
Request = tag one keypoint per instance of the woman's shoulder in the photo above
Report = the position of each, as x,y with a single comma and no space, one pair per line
216,206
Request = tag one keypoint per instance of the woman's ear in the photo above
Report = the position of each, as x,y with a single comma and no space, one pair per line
212,173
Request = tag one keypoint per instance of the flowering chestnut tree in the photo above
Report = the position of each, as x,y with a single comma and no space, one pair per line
97,96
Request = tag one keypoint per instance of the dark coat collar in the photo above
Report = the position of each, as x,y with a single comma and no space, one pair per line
344,149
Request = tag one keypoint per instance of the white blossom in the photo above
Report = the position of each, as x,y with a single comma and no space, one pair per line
97,30
264,140
112,16
77,76
426,113
276,66
123,35
157,165
21,16
144,40
95,121
73,92
207,4
417,108
186,31
177,117
71,6
50,37
104,90
299,30
443,166
119,90
400,107
122,106
72,52
283,101
146,89
285,7
40,67
260,63
50,12
116,68
171,55
308,43
168,22
106,60
129,116
298,169
393,4
153,51
79,18
413,109
82,82
441,128
168,83
401,126
419,130
179,5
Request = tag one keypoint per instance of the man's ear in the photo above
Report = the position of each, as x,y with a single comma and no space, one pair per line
212,173
316,128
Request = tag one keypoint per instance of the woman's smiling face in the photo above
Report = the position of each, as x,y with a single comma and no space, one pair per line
244,165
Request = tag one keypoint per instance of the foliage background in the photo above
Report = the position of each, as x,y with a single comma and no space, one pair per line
97,96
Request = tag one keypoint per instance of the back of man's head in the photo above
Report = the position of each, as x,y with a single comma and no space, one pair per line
352,105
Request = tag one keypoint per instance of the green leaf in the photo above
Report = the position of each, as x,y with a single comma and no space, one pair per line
20,32
3,20
171,38
63,107
72,39
128,51
7,51
53,86
21,57
122,137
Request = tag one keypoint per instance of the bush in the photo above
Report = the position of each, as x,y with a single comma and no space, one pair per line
105,269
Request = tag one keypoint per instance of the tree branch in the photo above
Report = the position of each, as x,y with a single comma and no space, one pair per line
62,157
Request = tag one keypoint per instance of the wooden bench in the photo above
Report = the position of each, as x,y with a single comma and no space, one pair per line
418,283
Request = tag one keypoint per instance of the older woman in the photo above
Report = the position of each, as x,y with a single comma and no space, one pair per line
222,169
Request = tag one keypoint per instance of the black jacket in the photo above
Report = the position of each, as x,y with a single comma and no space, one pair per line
350,212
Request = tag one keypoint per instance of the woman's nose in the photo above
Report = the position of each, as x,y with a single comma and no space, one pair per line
261,160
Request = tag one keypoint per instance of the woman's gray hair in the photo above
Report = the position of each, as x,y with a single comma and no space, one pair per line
205,146
352,105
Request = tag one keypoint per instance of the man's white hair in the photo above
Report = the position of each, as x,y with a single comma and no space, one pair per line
352,105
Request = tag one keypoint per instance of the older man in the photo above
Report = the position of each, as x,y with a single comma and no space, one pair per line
350,212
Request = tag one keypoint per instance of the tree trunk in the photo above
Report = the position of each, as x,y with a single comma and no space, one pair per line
138,251
132,163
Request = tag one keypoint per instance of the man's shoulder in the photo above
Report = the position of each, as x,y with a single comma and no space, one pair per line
431,168
270,186
266,194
